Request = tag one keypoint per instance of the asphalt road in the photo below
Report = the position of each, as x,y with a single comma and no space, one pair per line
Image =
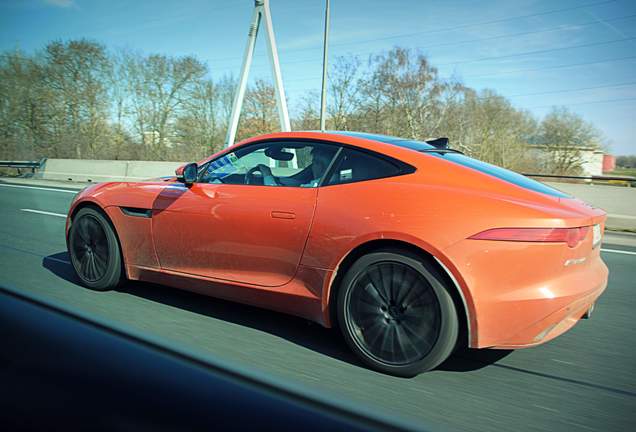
583,380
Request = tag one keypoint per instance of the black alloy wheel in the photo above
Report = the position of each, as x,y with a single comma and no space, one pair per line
396,314
94,250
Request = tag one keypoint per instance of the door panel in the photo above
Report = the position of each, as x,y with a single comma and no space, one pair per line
250,234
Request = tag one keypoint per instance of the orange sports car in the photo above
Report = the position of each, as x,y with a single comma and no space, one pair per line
411,248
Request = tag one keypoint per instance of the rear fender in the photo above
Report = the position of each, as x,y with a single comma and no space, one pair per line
446,265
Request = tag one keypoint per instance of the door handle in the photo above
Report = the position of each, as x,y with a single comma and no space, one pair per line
283,215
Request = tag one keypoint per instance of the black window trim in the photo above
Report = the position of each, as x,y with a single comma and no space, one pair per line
329,171
402,167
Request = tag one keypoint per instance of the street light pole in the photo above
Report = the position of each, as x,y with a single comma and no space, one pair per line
323,96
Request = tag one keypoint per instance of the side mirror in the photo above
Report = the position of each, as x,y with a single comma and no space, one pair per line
188,173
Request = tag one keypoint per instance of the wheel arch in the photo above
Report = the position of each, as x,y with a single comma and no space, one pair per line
94,205
87,203
461,299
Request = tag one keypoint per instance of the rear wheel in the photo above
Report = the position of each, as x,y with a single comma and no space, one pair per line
94,250
396,314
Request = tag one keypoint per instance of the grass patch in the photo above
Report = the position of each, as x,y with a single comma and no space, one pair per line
624,172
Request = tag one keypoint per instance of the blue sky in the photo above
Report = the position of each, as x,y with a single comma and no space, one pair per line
538,53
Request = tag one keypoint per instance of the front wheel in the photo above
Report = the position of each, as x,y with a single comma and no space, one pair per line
396,313
94,250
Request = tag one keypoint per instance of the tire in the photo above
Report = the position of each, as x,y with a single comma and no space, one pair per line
396,314
94,250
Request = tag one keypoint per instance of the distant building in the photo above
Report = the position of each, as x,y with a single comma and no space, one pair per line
609,163
592,162
591,158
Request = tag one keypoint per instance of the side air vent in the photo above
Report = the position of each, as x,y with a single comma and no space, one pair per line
136,212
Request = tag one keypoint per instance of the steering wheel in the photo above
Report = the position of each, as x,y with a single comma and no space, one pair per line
250,178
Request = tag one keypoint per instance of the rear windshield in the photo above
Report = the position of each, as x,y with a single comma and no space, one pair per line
502,173
486,168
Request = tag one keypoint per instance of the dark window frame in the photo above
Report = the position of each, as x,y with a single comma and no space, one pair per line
401,168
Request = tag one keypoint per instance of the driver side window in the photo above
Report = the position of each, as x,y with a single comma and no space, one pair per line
297,164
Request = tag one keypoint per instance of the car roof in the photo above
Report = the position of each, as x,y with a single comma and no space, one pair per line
387,139
391,146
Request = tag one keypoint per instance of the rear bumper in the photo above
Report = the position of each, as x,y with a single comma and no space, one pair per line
554,324
523,294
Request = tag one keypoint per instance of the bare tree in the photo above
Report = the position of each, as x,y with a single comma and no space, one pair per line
308,117
23,108
225,89
562,136
412,90
343,91
197,129
626,161
259,112
159,85
75,76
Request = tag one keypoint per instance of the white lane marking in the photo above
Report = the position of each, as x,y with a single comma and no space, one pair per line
44,212
41,188
618,251
547,408
58,260
106,176
564,362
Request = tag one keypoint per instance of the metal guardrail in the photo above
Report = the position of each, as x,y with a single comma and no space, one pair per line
32,165
628,181
599,178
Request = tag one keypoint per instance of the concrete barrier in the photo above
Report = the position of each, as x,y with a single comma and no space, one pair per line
77,170
618,202
142,169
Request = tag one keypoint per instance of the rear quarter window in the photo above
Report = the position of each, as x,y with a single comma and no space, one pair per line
355,166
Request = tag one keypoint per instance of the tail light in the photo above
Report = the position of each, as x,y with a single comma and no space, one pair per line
571,236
